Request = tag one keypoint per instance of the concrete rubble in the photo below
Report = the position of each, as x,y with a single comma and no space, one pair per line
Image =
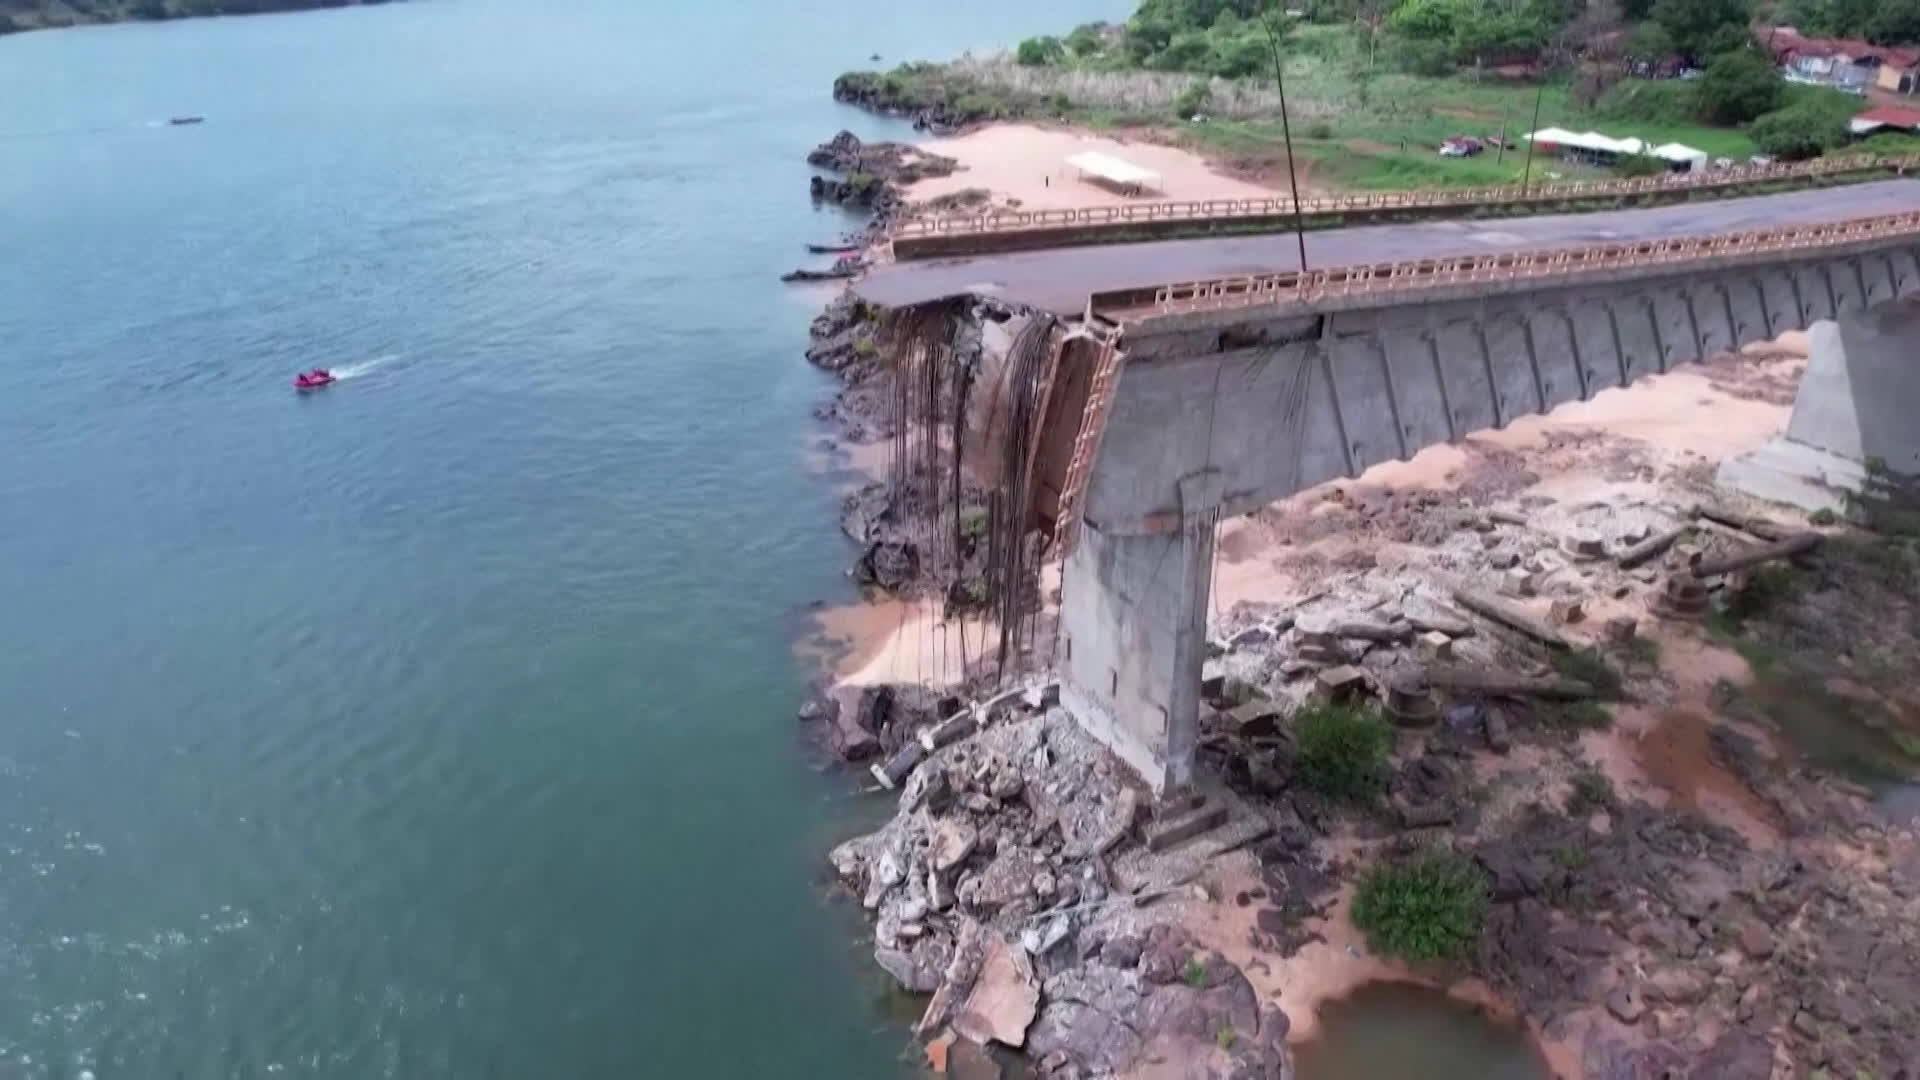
1016,885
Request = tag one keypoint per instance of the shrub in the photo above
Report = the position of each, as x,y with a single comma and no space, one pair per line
1194,99
1805,129
1739,86
1591,791
1427,908
1342,749
1588,666
1319,129
1640,165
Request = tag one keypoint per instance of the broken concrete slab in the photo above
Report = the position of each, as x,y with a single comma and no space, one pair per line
1004,1000
1337,682
1178,830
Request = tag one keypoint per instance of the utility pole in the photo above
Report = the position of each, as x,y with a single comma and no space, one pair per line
1272,26
1526,174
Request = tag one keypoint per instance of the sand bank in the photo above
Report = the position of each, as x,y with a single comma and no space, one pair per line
1028,164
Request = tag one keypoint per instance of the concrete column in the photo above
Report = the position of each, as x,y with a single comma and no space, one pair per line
1858,402
1135,616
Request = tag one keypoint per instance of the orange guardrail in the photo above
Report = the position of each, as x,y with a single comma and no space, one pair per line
1004,221
1297,287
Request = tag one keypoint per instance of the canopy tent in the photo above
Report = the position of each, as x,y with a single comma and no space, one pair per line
1592,142
1122,174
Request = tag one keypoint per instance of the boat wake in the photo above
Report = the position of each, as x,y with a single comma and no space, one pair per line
355,371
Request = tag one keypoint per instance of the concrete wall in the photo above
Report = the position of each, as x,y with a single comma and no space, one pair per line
1264,403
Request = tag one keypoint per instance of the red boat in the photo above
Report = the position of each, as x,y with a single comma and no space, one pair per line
312,380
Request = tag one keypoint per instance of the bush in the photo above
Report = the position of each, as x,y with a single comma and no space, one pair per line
1342,749
1427,908
1591,791
1640,165
1039,52
1194,99
1739,86
1319,129
1797,133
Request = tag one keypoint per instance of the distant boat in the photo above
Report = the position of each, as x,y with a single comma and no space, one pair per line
180,121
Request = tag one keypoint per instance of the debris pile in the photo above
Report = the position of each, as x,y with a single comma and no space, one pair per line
1016,885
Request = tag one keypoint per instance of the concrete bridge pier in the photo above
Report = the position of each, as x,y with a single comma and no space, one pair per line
1858,402
1136,633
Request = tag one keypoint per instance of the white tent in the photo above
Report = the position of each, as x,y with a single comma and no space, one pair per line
1681,154
1113,170
1593,142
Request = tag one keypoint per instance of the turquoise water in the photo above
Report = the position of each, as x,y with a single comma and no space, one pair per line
437,724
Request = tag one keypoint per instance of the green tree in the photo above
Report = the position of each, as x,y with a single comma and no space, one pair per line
1190,50
1429,20
1798,132
1241,55
1087,39
1650,41
1739,86
1040,51
1702,27
1895,22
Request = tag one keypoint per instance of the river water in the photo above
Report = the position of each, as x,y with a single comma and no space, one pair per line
437,724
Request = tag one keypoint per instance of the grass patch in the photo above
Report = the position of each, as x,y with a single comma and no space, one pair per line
1591,791
1641,652
1195,973
1590,667
1427,908
1576,715
1342,749
1361,126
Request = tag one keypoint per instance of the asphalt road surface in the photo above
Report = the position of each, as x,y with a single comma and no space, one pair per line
1061,280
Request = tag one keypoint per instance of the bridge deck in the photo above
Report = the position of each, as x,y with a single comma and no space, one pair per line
1061,280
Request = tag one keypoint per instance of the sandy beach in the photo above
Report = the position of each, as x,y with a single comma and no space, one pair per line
1026,166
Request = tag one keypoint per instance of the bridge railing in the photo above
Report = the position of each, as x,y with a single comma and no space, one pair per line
1312,285
1003,221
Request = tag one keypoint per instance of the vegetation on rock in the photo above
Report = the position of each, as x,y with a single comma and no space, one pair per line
1342,749
1426,908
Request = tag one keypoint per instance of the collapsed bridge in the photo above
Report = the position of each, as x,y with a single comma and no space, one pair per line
1142,391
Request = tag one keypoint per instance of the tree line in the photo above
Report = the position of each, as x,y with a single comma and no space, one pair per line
17,15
